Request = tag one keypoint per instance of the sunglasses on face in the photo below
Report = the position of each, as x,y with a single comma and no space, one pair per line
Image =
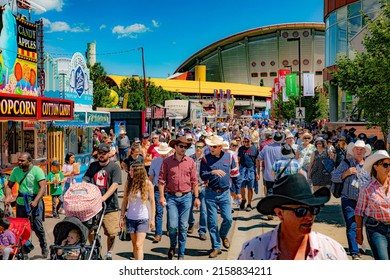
385,165
182,147
199,147
301,212
234,145
102,153
214,147
306,138
246,141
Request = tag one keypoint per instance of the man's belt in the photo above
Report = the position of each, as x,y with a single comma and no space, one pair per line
178,194
217,190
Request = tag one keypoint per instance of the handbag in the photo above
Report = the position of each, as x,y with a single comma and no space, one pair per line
124,235
328,164
337,188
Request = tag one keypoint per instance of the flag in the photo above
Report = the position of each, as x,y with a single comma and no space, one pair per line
291,85
308,84
228,94
285,97
222,93
215,93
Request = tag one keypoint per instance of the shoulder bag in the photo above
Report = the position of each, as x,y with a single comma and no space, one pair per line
337,188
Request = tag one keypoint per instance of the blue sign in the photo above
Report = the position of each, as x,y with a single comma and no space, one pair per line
79,81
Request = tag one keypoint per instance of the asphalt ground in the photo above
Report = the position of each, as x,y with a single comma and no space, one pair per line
246,225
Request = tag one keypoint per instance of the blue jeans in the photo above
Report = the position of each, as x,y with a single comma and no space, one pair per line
202,214
213,201
159,213
178,210
378,236
348,206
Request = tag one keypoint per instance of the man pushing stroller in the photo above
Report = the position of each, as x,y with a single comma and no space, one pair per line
106,175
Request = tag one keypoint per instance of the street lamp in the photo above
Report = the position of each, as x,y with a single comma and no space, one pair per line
299,64
143,69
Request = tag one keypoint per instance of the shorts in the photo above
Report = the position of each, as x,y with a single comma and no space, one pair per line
134,226
111,223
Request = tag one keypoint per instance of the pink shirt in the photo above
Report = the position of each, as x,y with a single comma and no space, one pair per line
373,202
178,176
265,247
152,151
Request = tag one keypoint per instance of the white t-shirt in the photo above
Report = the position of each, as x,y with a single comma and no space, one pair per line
137,210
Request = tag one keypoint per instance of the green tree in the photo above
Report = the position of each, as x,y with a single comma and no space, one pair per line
101,90
367,76
136,99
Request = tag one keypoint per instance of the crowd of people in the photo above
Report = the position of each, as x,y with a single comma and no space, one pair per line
217,170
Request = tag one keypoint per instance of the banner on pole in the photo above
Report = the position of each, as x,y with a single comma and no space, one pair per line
285,97
308,84
291,85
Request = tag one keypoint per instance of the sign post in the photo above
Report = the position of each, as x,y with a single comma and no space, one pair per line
300,113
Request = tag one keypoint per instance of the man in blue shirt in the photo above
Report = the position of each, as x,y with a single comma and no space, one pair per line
216,168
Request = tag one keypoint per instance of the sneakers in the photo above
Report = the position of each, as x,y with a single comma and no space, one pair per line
248,208
45,252
56,216
108,257
215,253
202,237
242,205
157,239
190,229
61,211
355,257
226,242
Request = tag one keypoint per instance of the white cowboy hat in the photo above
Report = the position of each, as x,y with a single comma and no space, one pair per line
122,132
359,144
225,145
163,149
214,140
369,162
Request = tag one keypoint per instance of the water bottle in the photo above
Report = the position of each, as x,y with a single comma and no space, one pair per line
237,202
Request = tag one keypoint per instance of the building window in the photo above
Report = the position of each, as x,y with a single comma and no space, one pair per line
318,73
253,64
273,74
272,63
263,74
285,34
319,61
295,34
263,63
306,33
254,75
295,62
285,62
306,62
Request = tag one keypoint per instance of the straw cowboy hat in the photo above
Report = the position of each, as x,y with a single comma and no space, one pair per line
292,190
181,139
225,145
122,132
369,162
359,144
163,149
214,140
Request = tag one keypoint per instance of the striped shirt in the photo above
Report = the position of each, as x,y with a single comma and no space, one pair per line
266,247
373,202
292,168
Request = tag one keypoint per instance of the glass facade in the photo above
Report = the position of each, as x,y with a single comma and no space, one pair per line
342,24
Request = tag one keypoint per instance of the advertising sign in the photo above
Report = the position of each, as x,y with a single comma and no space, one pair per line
56,109
18,58
180,107
158,113
98,118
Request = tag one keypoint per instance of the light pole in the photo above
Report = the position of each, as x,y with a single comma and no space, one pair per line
299,64
143,69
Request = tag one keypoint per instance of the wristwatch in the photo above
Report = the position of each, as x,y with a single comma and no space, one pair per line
196,197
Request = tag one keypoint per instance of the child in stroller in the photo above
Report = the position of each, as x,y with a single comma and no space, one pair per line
73,239
7,238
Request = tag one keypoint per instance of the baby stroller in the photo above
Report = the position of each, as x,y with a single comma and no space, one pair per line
21,227
84,211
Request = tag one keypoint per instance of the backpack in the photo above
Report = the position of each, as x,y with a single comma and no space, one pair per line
328,164
337,188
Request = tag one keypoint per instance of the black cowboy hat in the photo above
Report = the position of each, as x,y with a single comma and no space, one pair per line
292,190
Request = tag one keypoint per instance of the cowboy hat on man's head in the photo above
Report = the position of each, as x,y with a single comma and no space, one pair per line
215,140
359,144
369,162
181,139
292,190
163,149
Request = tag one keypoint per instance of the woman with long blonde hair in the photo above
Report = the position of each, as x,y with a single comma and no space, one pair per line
134,212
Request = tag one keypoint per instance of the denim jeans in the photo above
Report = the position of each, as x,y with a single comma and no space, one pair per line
37,221
159,214
348,206
213,201
378,236
54,205
202,214
178,210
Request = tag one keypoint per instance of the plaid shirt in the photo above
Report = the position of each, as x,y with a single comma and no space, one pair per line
373,202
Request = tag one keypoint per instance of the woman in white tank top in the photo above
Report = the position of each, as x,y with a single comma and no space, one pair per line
134,212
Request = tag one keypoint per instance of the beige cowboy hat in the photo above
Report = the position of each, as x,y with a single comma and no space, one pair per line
369,162
359,144
225,145
214,140
181,139
163,149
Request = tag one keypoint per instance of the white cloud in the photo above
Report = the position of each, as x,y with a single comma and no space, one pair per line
130,31
62,26
102,26
155,23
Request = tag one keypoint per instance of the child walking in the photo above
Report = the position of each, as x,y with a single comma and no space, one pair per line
7,238
55,178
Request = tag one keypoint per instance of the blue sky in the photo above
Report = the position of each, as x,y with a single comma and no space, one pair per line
169,31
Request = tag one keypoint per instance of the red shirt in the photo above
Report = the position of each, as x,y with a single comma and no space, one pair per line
178,176
152,151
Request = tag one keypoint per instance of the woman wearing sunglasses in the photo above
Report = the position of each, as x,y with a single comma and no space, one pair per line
305,150
293,239
374,203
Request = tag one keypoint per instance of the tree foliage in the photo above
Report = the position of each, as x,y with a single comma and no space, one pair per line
367,76
101,89
136,97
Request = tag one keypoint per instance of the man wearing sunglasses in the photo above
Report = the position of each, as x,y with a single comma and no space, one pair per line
105,174
293,239
179,180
